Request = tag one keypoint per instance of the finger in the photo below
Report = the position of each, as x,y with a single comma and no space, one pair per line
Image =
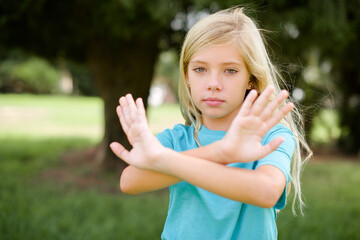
141,108
248,102
123,123
125,111
279,115
272,146
273,105
263,100
131,106
119,151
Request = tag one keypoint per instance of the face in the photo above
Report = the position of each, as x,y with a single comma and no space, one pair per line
218,79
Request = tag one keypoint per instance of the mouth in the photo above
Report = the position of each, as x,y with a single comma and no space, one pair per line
213,102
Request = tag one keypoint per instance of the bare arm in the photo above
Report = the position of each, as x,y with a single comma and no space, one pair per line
262,187
148,153
135,181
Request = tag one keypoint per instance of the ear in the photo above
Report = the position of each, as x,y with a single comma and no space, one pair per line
250,85
252,81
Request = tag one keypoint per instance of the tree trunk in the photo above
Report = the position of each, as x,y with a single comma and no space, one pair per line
125,68
350,111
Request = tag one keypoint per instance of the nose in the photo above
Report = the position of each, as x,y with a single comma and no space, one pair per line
215,82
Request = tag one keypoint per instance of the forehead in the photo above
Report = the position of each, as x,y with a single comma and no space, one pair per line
219,53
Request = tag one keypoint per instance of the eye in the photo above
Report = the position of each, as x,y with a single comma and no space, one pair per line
231,71
199,69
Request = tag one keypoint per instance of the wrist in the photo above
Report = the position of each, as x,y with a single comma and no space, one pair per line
160,160
220,152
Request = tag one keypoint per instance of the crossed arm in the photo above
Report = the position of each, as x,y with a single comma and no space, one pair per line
153,166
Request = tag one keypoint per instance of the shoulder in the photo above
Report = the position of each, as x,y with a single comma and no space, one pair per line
279,128
283,131
283,154
179,131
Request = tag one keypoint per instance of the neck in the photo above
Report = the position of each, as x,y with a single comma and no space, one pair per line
217,124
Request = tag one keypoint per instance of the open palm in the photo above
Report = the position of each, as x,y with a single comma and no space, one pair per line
134,123
256,117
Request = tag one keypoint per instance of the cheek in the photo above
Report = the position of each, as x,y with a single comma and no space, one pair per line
240,90
195,95
193,92
190,79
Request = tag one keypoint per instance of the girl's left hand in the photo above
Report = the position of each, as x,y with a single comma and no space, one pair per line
257,116
146,148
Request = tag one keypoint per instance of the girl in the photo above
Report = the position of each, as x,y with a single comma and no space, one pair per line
228,166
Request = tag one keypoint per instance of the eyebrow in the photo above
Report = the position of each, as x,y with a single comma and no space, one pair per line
224,63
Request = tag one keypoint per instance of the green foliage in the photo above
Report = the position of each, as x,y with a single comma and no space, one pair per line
106,29
32,74
167,69
109,22
326,127
82,79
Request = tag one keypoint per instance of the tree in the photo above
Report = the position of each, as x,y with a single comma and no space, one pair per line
117,39
120,40
331,29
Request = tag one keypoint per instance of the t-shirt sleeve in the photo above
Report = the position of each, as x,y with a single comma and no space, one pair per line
165,138
281,157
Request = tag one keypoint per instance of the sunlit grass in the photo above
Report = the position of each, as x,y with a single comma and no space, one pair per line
46,115
165,116
33,205
43,116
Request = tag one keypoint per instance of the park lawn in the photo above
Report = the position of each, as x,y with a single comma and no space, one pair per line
331,191
44,197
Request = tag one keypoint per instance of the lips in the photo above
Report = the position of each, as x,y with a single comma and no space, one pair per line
213,102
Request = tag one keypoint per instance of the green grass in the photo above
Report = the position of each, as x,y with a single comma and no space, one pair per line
164,117
40,195
332,193
44,116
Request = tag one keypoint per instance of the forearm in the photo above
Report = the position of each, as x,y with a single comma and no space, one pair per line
248,186
136,181
211,152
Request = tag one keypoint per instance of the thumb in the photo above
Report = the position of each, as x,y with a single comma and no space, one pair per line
119,150
273,145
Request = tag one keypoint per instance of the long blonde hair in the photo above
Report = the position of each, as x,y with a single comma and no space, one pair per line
233,25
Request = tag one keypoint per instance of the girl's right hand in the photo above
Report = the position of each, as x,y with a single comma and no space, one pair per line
146,148
257,116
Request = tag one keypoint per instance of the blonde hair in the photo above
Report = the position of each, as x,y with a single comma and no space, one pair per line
233,25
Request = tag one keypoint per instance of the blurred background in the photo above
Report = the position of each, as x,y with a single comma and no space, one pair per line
64,64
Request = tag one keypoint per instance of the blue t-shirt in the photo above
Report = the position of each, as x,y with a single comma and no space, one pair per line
195,213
